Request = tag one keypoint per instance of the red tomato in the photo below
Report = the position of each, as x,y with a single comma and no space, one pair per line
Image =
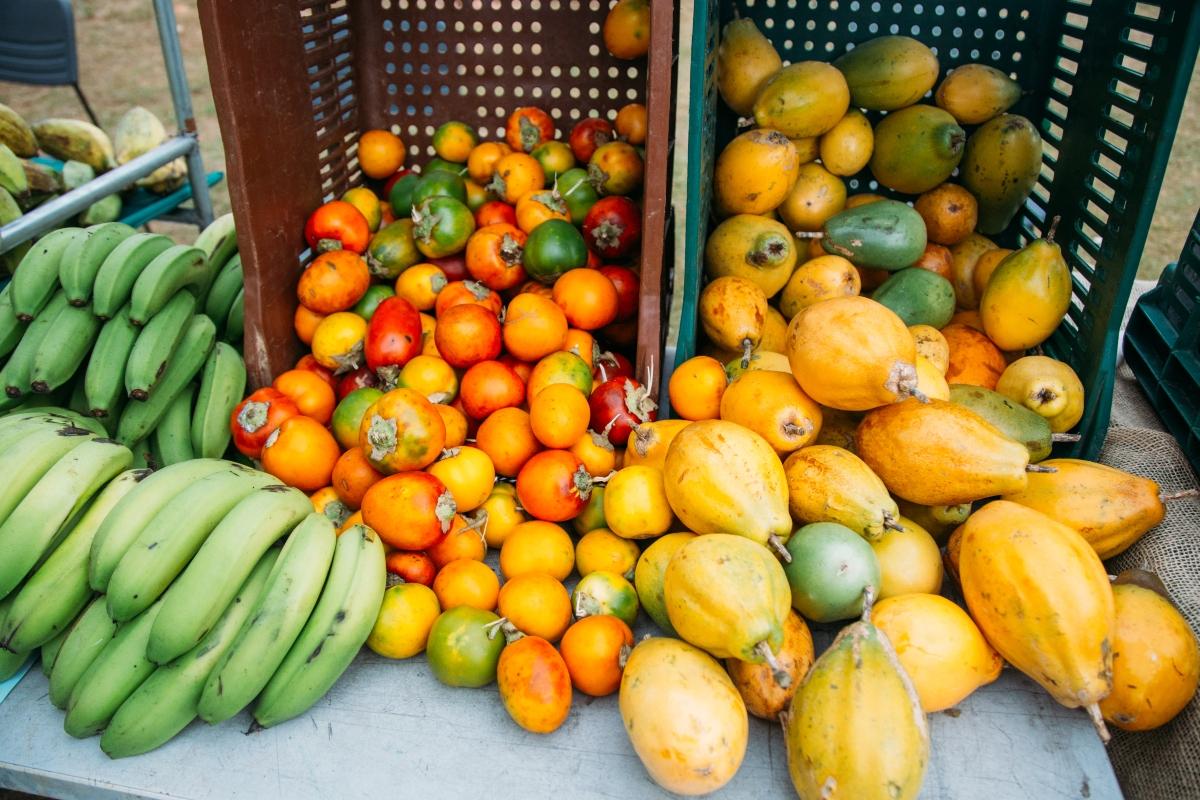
254,419
628,290
361,378
593,261
609,365
309,362
337,225
453,267
393,335
412,566
618,406
494,212
589,134
554,485
613,226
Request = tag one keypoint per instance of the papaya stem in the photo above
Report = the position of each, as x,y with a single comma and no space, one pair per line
889,522
868,602
1179,495
921,396
763,650
623,655
776,544
1065,437
747,351
809,234
1039,468
1093,711
1050,238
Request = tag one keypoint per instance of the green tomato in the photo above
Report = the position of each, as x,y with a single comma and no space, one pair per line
401,195
554,247
439,183
461,650
392,250
442,226
347,417
605,592
441,164
578,192
370,301
831,566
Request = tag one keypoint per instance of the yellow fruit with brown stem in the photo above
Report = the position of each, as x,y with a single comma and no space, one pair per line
774,406
745,61
733,314
754,173
754,248
829,484
966,253
756,683
817,196
846,148
1046,386
818,279
803,99
1027,295
975,93
909,561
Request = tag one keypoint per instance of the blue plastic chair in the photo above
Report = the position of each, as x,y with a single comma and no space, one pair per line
37,45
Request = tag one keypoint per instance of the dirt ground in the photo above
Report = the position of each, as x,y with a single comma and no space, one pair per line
121,65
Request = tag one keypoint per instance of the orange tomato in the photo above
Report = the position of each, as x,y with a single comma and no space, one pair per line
460,292
429,376
333,282
507,437
517,174
326,501
420,285
536,287
537,546
454,141
696,387
595,649
380,153
401,431
627,29
463,541
631,123
254,419
402,628
337,225
468,474
337,342
534,684
490,386
428,336
353,475
411,566
534,327
409,511
493,256
455,422
587,298
596,452
301,453
528,126
467,334
560,367
311,394
601,550
553,485
305,321
481,163
503,514
537,605
466,582
582,344
559,415
538,206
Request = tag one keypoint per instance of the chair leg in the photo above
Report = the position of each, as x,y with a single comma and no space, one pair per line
86,106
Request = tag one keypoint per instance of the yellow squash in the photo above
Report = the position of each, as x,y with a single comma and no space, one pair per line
648,444
1046,386
803,99
855,730
723,478
755,248
1109,508
754,173
852,353
830,484
745,60
1042,598
648,577
733,313
774,406
940,453
729,596
757,683
686,721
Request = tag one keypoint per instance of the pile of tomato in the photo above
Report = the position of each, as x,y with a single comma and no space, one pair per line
468,388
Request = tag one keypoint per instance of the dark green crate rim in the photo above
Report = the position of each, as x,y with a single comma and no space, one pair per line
1106,94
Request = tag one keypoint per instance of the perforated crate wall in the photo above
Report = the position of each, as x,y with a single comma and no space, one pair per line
1105,80
295,82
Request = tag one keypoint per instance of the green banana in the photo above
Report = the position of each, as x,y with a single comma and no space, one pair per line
49,650
30,457
31,528
235,323
139,419
173,436
63,348
335,632
157,343
36,279
10,660
225,289
168,541
166,703
114,282
119,669
104,380
11,328
81,261
92,630
176,268
143,458
293,590
194,602
125,522
12,174
221,387
19,424
58,590
76,401
18,371
219,243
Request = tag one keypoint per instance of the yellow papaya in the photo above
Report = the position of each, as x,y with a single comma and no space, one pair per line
817,196
938,520
774,406
1000,166
754,173
829,484
965,255
803,99
754,248
733,313
1047,387
757,684
888,72
774,337
818,279
916,148
909,561
649,441
745,60
975,93
1027,295
648,577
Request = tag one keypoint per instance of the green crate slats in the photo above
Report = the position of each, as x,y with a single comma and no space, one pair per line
1104,80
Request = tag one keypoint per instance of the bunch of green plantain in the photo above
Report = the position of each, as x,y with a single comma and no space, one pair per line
131,329
157,597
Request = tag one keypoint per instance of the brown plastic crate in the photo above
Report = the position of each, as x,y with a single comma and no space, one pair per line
295,81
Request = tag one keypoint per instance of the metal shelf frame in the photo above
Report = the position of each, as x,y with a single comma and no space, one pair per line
186,143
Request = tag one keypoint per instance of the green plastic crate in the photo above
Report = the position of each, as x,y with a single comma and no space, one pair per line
1104,81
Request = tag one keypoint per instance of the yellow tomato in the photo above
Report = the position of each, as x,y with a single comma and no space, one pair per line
468,474
338,341
602,550
402,627
429,376
537,605
537,546
420,284
503,514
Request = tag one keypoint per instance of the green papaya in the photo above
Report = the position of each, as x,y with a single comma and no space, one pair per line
918,296
888,72
803,99
1000,166
1010,418
393,249
886,234
916,148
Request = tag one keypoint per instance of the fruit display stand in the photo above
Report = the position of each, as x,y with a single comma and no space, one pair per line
294,90
1103,82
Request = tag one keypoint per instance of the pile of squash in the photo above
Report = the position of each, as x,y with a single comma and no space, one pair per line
832,444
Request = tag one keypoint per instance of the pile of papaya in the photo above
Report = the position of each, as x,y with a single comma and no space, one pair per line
870,416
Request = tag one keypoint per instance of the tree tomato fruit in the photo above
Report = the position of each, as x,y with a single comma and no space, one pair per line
420,285
540,205
533,327
308,362
367,204
348,416
335,281
696,388
405,618
535,685
411,566
400,193
409,510
555,158
380,153
352,476
393,338
301,452
430,376
507,437
305,322
311,393
613,227
463,542
469,475
559,415
481,163
495,212
459,292
618,405
466,582
553,486
454,141
631,123
537,546
616,168
453,266
391,181
587,297
468,334
589,134
595,649
401,431
560,366
554,247
503,514
494,256
597,454
326,501
360,378
536,604
628,290
462,649
528,127
455,420
338,341
627,29
257,417
578,193
366,305
517,174
439,183
488,387
337,225
441,226
609,365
